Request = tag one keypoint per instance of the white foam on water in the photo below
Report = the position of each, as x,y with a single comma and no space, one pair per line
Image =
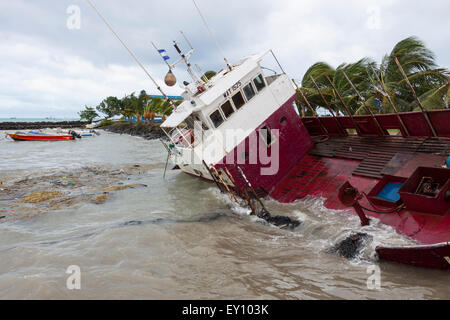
322,228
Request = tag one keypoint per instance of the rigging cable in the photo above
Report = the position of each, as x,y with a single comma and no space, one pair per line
212,35
130,52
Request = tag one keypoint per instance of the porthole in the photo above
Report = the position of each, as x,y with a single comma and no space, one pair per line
266,134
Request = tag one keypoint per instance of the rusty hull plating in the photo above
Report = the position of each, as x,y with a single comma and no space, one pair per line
351,171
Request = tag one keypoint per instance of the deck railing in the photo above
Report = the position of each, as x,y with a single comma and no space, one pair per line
415,123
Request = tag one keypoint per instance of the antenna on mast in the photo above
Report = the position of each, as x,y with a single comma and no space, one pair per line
212,35
184,58
185,38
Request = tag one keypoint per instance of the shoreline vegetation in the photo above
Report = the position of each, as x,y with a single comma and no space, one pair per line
42,125
146,131
356,88
138,113
406,79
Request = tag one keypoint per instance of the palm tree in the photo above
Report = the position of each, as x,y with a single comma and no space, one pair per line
165,110
318,72
140,105
380,82
147,114
419,65
323,74
109,107
358,74
436,98
153,106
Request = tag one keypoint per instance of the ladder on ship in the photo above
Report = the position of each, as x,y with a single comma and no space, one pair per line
245,191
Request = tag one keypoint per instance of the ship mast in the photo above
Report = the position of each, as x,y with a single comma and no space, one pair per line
184,57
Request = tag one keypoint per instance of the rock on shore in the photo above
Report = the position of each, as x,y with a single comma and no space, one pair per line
41,125
142,130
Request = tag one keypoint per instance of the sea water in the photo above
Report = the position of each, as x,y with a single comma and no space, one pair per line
134,235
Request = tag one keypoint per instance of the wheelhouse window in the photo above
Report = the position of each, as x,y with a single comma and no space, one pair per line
266,135
216,118
249,91
227,109
259,83
238,100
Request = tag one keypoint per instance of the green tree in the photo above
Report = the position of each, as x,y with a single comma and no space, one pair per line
378,81
153,107
110,107
318,72
358,73
166,109
88,114
419,65
140,105
129,106
323,74
210,74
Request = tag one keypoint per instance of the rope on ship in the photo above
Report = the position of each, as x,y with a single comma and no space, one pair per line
380,211
400,207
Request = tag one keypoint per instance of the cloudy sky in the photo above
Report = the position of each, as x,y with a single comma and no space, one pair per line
51,65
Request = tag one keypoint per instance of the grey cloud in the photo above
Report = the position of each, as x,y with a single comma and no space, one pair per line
39,78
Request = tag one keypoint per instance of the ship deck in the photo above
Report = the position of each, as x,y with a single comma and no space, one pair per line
336,160
379,156
363,161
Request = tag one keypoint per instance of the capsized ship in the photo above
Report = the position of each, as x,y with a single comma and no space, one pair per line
242,128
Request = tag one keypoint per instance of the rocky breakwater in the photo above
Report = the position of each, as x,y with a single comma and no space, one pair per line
41,125
145,131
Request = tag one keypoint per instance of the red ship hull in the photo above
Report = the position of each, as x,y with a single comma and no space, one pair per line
428,256
321,169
